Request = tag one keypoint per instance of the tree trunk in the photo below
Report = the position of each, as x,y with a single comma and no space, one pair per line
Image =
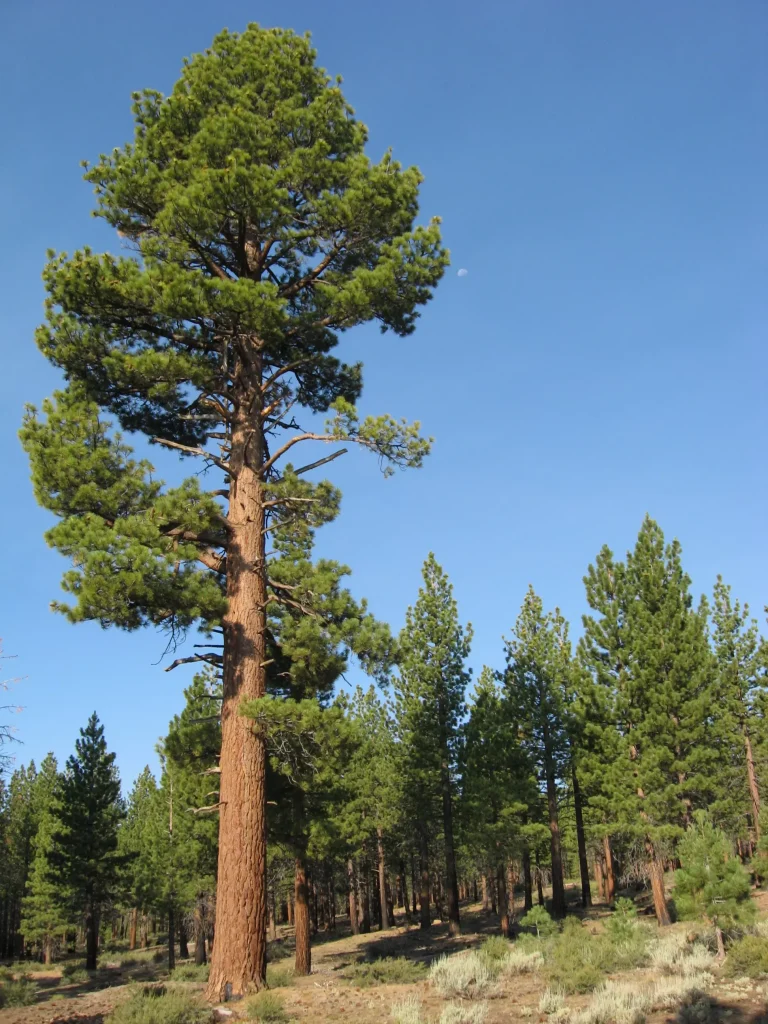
586,893
239,961
610,877
754,792
486,896
48,949
290,910
539,884
656,873
527,881
145,931
451,878
272,923
414,884
558,887
503,903
382,867
132,930
91,939
354,922
425,916
511,882
365,919
200,957
720,944
599,878
303,964
171,938
183,939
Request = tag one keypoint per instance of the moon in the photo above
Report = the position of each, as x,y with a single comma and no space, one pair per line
462,273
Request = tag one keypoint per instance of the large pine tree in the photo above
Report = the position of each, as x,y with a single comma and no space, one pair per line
429,694
257,230
85,860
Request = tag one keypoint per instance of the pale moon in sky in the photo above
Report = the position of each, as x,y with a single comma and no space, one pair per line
462,272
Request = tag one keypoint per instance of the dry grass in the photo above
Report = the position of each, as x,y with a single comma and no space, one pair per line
463,976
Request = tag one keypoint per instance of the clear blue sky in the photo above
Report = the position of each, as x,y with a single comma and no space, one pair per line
602,173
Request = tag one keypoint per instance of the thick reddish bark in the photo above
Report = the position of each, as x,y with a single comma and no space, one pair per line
303,963
511,883
354,920
239,960
599,877
382,871
503,902
610,876
656,874
586,894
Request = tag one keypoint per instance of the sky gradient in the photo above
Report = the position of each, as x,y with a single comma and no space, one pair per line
601,173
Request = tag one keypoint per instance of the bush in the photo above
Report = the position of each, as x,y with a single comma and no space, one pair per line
109,963
280,977
538,919
461,1013
748,956
75,975
521,961
407,1011
496,947
616,1003
6,974
697,1009
622,924
190,972
465,975
148,1005
268,1008
386,971
552,1000
673,954
21,992
574,954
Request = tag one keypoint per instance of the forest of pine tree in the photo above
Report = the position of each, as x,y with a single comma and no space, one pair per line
326,774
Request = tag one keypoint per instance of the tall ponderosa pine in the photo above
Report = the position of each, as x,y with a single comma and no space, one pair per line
259,229
741,664
85,860
657,678
44,914
429,694
537,682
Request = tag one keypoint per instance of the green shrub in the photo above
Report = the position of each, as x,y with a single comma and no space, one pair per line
268,1008
748,956
21,992
190,972
147,1005
279,977
496,947
387,971
572,959
538,919
6,974
622,924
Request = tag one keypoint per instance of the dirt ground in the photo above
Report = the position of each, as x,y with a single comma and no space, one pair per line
326,996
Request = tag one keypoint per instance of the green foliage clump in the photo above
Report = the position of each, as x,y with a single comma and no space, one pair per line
268,1008
748,956
75,974
19,992
190,972
161,1006
386,971
538,919
496,947
571,960
711,883
279,977
623,922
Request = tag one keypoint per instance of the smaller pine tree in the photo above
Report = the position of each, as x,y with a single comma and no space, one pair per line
711,883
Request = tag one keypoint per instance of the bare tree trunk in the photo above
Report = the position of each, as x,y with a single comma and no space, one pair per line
610,877
303,963
527,881
539,884
132,930
91,939
511,882
239,961
171,938
451,879
754,792
200,956
656,873
289,909
414,885
272,923
486,896
354,922
426,917
47,950
382,868
183,944
586,893
503,903
365,921
599,878
558,887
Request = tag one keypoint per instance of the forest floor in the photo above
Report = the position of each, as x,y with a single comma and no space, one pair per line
333,992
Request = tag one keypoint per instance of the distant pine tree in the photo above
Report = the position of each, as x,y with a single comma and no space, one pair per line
85,860
44,909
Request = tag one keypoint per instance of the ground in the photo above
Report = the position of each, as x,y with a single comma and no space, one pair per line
327,996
